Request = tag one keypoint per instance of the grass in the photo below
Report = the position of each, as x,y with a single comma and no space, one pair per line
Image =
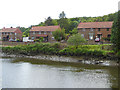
59,49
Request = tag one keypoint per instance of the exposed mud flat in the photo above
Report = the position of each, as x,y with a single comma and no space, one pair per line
81,59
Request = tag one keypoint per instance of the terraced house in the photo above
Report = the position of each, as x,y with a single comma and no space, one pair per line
7,34
91,30
43,31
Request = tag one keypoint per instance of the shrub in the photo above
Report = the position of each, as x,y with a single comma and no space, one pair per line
76,40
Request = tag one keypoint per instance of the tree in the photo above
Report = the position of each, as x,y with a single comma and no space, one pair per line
115,37
72,25
74,31
63,22
59,34
62,15
76,40
48,21
26,33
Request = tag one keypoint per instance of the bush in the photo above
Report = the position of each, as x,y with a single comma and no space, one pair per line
54,49
76,40
18,40
118,54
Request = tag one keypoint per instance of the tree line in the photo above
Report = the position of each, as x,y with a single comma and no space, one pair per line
69,24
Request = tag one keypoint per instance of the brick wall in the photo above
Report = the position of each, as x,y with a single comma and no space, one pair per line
48,33
105,32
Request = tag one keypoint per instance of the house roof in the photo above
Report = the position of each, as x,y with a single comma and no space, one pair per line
15,30
95,25
44,28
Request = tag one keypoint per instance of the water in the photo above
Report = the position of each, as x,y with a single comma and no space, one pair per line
27,75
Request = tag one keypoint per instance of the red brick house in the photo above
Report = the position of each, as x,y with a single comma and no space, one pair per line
91,30
43,31
10,33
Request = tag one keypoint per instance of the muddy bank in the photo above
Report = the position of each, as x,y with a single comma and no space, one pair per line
71,59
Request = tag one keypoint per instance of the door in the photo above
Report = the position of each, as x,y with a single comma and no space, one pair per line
99,36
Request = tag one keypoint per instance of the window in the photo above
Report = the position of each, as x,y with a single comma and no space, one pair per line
51,33
91,29
82,35
83,29
15,33
48,31
33,32
40,32
11,33
32,38
98,29
91,36
44,32
107,29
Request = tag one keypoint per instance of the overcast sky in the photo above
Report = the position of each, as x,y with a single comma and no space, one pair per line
31,12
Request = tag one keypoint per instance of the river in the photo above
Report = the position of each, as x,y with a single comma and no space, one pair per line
27,75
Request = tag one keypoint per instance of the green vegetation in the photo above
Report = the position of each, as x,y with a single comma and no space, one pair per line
39,40
74,31
59,34
49,22
57,49
76,40
69,23
116,34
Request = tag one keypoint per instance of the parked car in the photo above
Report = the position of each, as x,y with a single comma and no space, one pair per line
97,40
30,40
26,39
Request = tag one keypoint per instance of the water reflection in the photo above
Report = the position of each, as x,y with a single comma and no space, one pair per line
26,75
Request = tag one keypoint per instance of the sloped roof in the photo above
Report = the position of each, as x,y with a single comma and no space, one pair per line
44,28
15,30
95,25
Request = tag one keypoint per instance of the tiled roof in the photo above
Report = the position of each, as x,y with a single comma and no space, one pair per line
15,30
95,25
44,28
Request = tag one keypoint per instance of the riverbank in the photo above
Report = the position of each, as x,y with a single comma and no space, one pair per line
63,59
89,54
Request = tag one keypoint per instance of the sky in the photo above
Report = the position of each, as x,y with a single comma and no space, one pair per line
25,13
